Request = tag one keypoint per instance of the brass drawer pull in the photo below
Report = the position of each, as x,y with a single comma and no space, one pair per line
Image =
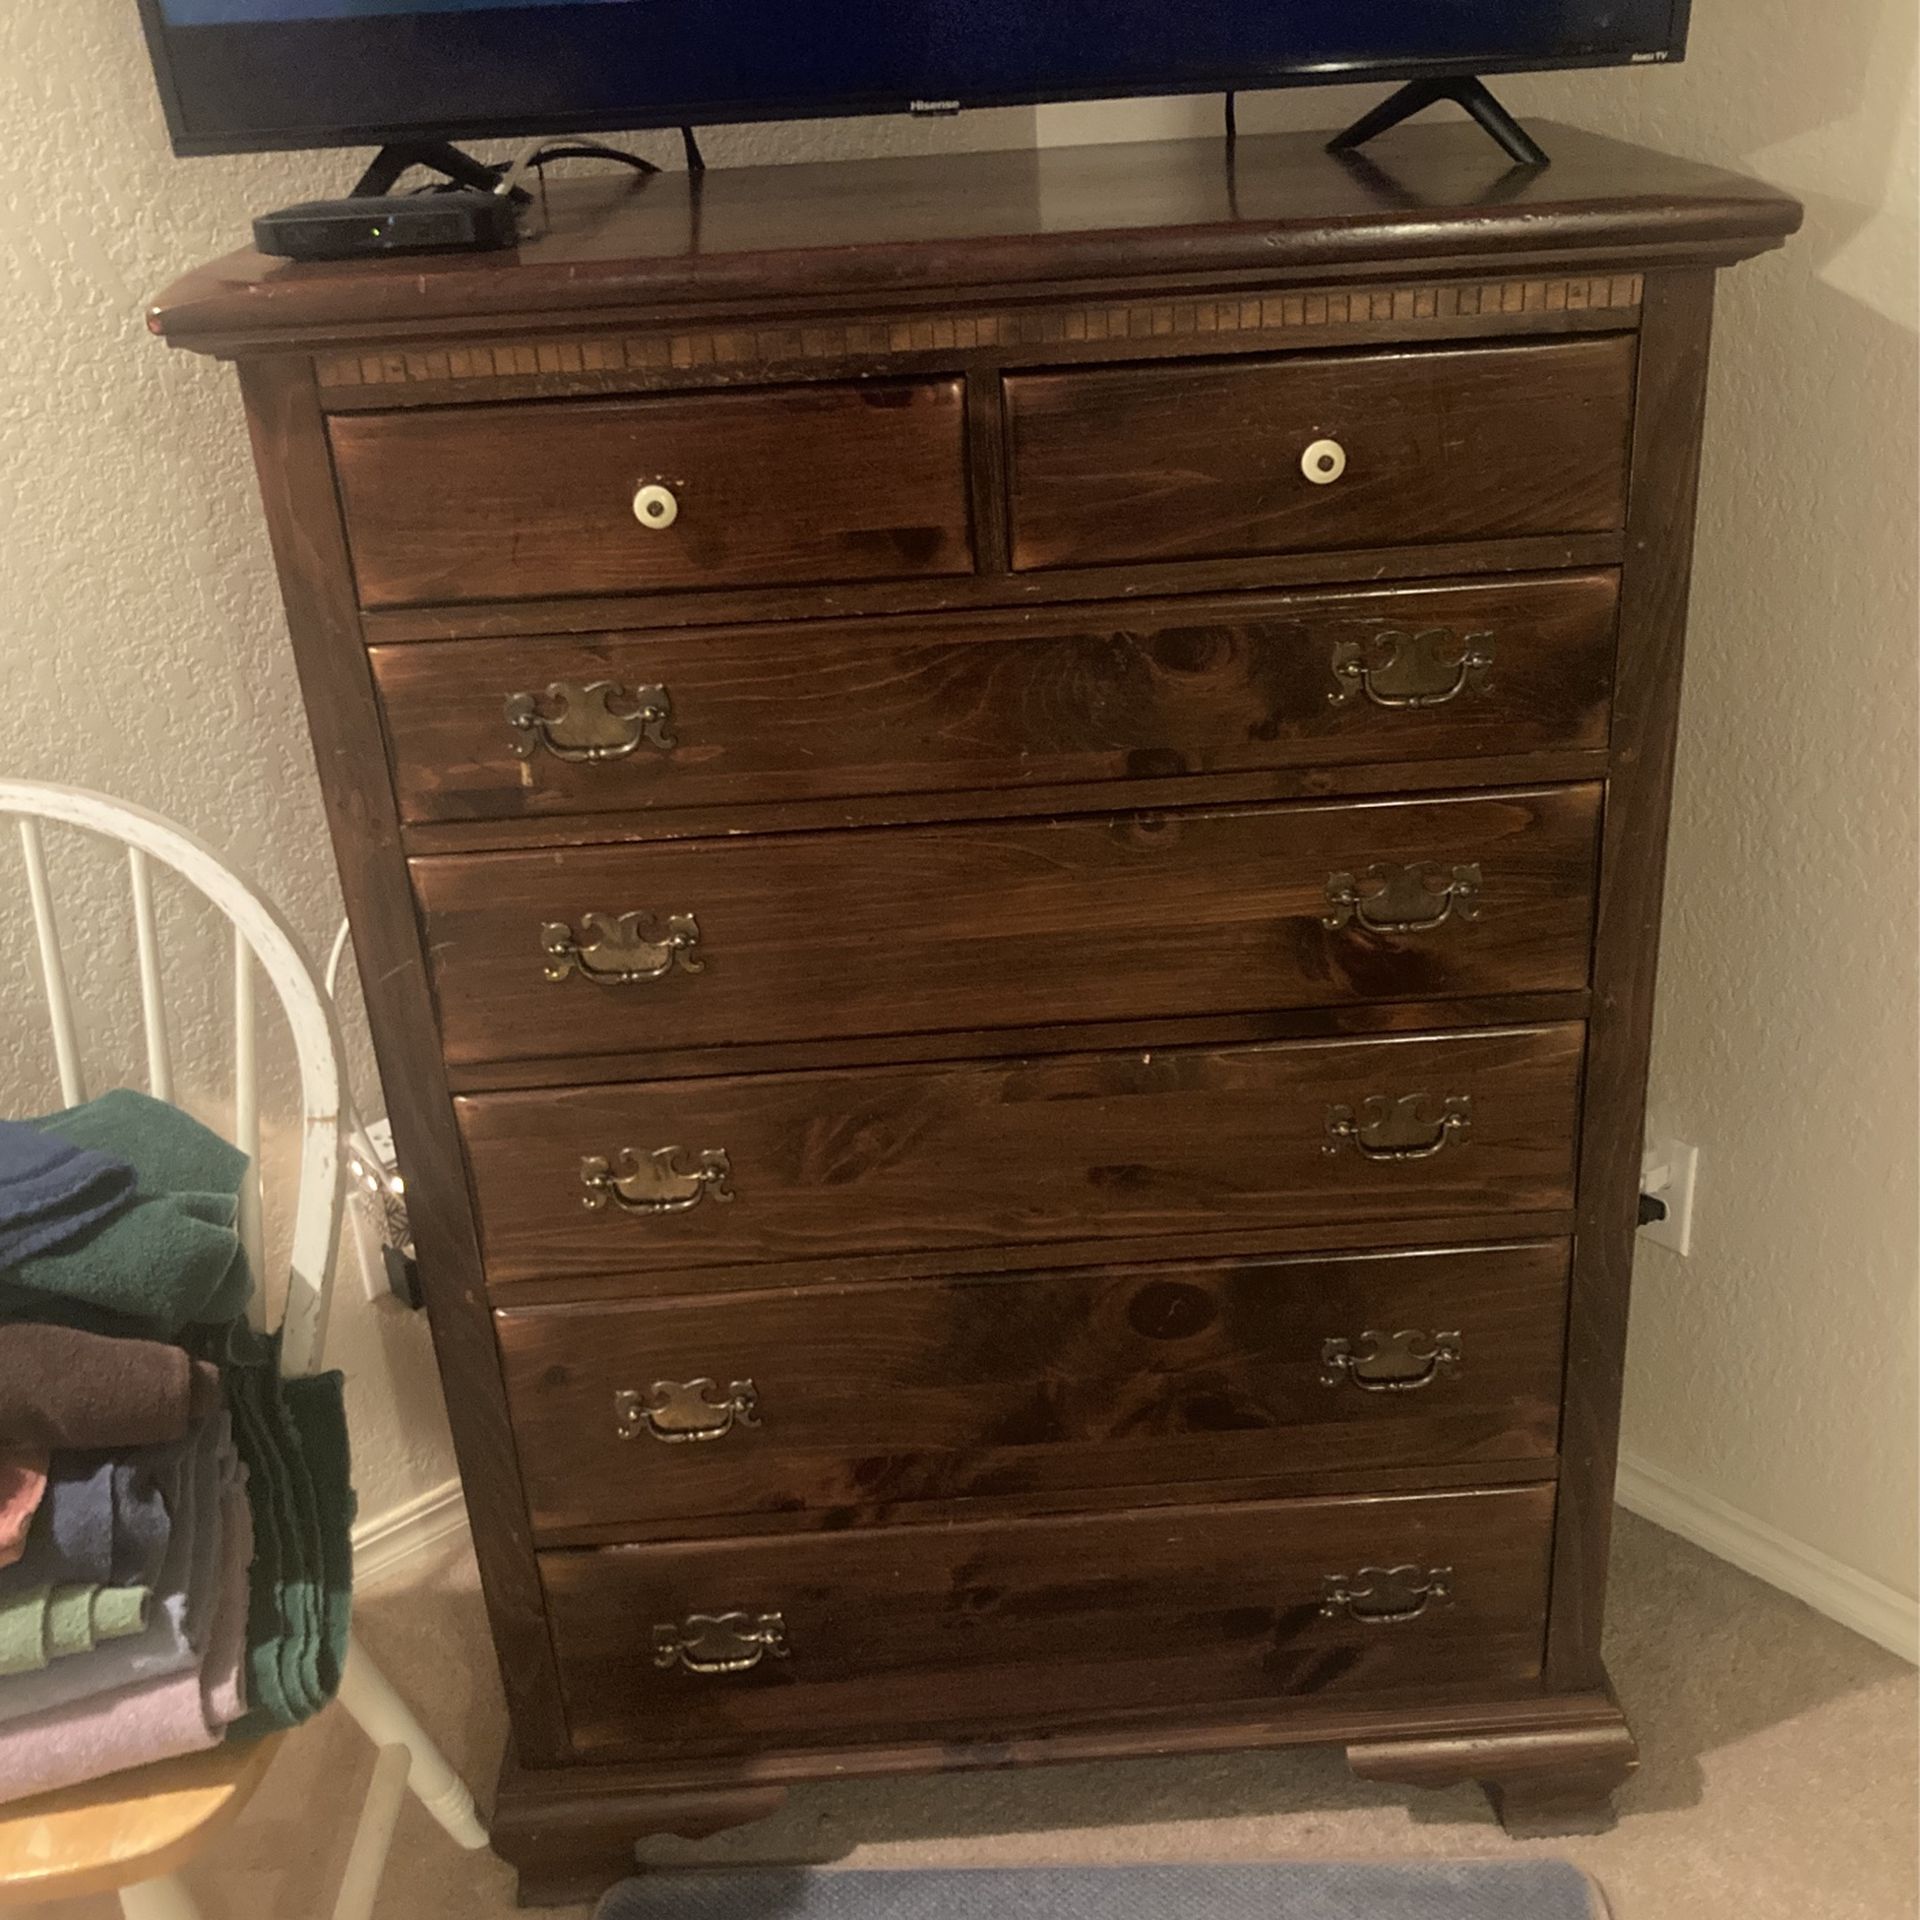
1401,1362
1385,1596
1403,899
720,1642
1411,670
687,1411
655,1182
583,724
1390,1129
617,948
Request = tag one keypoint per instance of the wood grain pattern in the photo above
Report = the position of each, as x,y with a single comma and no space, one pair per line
1161,691
1232,324
874,1401
1194,461
1020,1153
501,503
1354,1018
1169,218
1393,1233
922,930
1006,1520
967,1630
1363,780
1370,566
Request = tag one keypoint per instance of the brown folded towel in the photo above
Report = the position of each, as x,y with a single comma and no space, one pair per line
65,1389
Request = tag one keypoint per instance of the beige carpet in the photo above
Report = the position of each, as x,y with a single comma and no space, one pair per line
1779,1779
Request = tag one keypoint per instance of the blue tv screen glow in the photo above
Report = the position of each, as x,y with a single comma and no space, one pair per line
244,74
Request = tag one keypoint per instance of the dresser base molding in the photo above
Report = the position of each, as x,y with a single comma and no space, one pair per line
1549,1762
570,1834
1545,1782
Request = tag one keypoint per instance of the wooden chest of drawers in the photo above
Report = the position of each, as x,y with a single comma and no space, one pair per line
1004,821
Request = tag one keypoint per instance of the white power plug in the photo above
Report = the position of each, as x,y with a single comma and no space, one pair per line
1668,1169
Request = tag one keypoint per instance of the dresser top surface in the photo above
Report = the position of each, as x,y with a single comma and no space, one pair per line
1433,195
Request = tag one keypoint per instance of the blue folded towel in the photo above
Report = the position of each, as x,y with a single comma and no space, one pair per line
52,1191
102,1522
193,1476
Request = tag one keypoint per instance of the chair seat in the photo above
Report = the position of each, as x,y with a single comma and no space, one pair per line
129,1827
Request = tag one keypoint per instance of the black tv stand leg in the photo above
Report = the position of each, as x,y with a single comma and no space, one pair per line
1418,95
437,156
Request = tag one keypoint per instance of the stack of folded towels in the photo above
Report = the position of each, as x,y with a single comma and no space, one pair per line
174,1559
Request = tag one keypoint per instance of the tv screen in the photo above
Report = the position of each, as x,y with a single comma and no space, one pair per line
243,74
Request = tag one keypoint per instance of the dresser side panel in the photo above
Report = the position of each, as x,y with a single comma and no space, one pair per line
303,520
1669,414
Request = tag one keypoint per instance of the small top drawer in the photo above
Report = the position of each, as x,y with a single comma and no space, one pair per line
785,486
1193,461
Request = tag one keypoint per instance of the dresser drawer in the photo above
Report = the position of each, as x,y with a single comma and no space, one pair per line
859,1401
517,502
573,952
964,1630
693,1173
504,729
1196,460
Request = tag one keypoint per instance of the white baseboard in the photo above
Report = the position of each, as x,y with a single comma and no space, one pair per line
1827,1585
387,1541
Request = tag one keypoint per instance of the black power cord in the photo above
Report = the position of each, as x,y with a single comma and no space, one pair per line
542,156
592,150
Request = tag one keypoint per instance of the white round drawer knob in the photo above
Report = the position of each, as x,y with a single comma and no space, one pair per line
1324,462
655,507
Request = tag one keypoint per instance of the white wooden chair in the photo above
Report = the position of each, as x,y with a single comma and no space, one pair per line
129,1834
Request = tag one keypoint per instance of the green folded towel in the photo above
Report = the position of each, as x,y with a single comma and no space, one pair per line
45,1624
292,1434
169,1260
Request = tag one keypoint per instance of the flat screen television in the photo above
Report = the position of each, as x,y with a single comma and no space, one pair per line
238,75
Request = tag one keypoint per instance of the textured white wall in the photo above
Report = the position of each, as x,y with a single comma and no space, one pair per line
141,651
1776,1367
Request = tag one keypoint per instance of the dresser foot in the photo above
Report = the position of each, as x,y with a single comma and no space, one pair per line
1544,1780
1549,1806
570,1833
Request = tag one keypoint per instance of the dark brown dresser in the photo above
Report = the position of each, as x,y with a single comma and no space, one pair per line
1004,819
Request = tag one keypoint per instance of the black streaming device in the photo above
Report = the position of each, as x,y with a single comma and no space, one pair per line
370,226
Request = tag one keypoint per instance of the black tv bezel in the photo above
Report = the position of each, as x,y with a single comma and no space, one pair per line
190,145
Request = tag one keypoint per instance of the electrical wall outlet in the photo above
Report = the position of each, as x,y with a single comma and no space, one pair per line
1668,1170
377,1215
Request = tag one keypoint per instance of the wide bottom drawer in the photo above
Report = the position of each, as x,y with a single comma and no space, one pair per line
857,1402
977,1631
